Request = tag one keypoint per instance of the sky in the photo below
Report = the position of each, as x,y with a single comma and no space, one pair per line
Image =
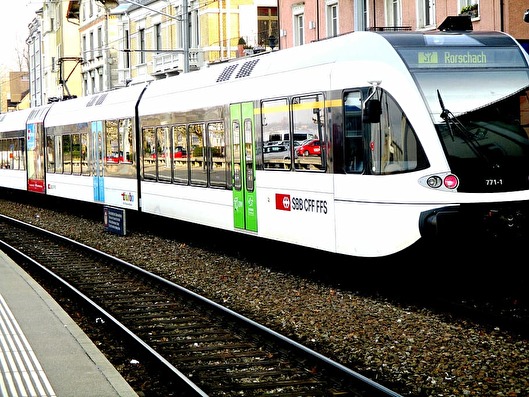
15,16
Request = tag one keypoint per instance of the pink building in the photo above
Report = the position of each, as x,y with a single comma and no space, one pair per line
303,21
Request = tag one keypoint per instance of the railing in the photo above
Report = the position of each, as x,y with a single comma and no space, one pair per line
389,28
171,61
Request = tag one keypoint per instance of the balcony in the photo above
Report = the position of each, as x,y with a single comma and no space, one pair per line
173,62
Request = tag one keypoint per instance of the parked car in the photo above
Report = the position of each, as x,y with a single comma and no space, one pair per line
287,143
276,152
179,152
309,148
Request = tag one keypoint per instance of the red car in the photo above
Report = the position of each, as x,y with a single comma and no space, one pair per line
179,152
309,148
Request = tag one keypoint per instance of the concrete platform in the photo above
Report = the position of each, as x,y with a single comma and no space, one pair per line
42,350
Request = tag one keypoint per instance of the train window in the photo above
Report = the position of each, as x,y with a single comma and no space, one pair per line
236,139
50,153
126,139
216,154
354,148
119,147
149,153
11,154
85,169
67,154
249,154
308,117
180,150
112,149
163,154
58,154
197,160
393,145
275,125
76,154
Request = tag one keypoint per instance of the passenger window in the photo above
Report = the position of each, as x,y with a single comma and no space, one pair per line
217,155
308,118
149,153
197,160
354,149
181,154
275,129
394,147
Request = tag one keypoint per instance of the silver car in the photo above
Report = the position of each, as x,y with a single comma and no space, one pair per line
276,152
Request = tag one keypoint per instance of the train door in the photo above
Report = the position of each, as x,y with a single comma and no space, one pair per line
243,166
35,150
96,150
35,160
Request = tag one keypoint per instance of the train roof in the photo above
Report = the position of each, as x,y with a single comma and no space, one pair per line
455,38
14,121
108,105
302,68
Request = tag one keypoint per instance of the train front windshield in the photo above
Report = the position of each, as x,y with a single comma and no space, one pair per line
476,87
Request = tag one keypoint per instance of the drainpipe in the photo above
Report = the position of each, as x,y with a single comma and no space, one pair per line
317,20
501,16
374,14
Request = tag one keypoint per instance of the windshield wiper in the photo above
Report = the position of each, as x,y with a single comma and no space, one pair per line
464,133
452,120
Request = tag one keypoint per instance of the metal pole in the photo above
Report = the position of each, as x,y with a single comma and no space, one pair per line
185,35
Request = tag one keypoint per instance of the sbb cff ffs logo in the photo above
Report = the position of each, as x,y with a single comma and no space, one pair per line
285,203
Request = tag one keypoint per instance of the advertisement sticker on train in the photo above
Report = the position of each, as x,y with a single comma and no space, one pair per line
284,202
31,141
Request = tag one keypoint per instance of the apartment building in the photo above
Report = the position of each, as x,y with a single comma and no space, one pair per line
54,55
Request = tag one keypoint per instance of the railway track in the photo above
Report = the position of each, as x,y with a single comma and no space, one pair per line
197,346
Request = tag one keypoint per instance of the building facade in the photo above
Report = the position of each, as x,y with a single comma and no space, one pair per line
54,55
81,47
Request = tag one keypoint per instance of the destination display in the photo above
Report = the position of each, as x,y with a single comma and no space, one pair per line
462,57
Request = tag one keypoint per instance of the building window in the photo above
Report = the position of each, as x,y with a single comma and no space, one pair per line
361,16
158,36
141,34
426,13
194,39
469,7
298,24
299,36
100,79
92,45
126,47
393,14
332,18
267,24
99,41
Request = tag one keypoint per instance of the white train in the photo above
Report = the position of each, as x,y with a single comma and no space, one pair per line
419,135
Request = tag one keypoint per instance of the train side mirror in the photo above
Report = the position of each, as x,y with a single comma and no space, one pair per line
526,16
372,111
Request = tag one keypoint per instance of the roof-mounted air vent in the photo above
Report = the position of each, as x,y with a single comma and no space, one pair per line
101,99
226,73
246,68
458,22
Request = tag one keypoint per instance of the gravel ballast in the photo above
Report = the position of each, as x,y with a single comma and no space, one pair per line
414,352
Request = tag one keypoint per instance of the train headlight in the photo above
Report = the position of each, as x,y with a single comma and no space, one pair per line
451,182
443,181
434,181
